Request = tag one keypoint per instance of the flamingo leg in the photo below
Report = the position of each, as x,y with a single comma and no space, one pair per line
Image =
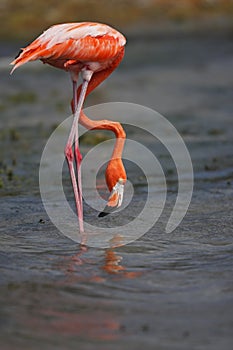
78,155
73,137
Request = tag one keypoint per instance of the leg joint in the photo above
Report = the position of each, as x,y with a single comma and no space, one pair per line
69,153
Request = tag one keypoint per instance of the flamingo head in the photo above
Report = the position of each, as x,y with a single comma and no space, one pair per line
115,178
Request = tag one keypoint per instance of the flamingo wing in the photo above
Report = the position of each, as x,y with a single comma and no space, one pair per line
84,41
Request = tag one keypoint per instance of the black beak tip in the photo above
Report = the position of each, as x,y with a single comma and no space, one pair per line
107,210
102,214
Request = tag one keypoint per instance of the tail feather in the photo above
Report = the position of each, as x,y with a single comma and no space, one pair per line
31,53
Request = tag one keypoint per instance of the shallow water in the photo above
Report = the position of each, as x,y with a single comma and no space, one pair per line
163,291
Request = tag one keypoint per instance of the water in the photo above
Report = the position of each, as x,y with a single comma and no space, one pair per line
163,291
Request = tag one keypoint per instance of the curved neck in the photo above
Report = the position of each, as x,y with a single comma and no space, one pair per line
105,124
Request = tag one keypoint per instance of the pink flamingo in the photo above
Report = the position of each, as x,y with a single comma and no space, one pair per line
93,50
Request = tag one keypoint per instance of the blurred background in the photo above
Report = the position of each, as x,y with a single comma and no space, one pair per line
162,291
24,19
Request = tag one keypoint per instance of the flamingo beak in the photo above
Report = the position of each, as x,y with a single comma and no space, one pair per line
115,199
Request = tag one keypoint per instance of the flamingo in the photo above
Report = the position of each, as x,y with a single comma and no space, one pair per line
92,50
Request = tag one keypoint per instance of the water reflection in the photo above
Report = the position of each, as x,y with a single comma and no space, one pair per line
112,263
103,326
82,271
